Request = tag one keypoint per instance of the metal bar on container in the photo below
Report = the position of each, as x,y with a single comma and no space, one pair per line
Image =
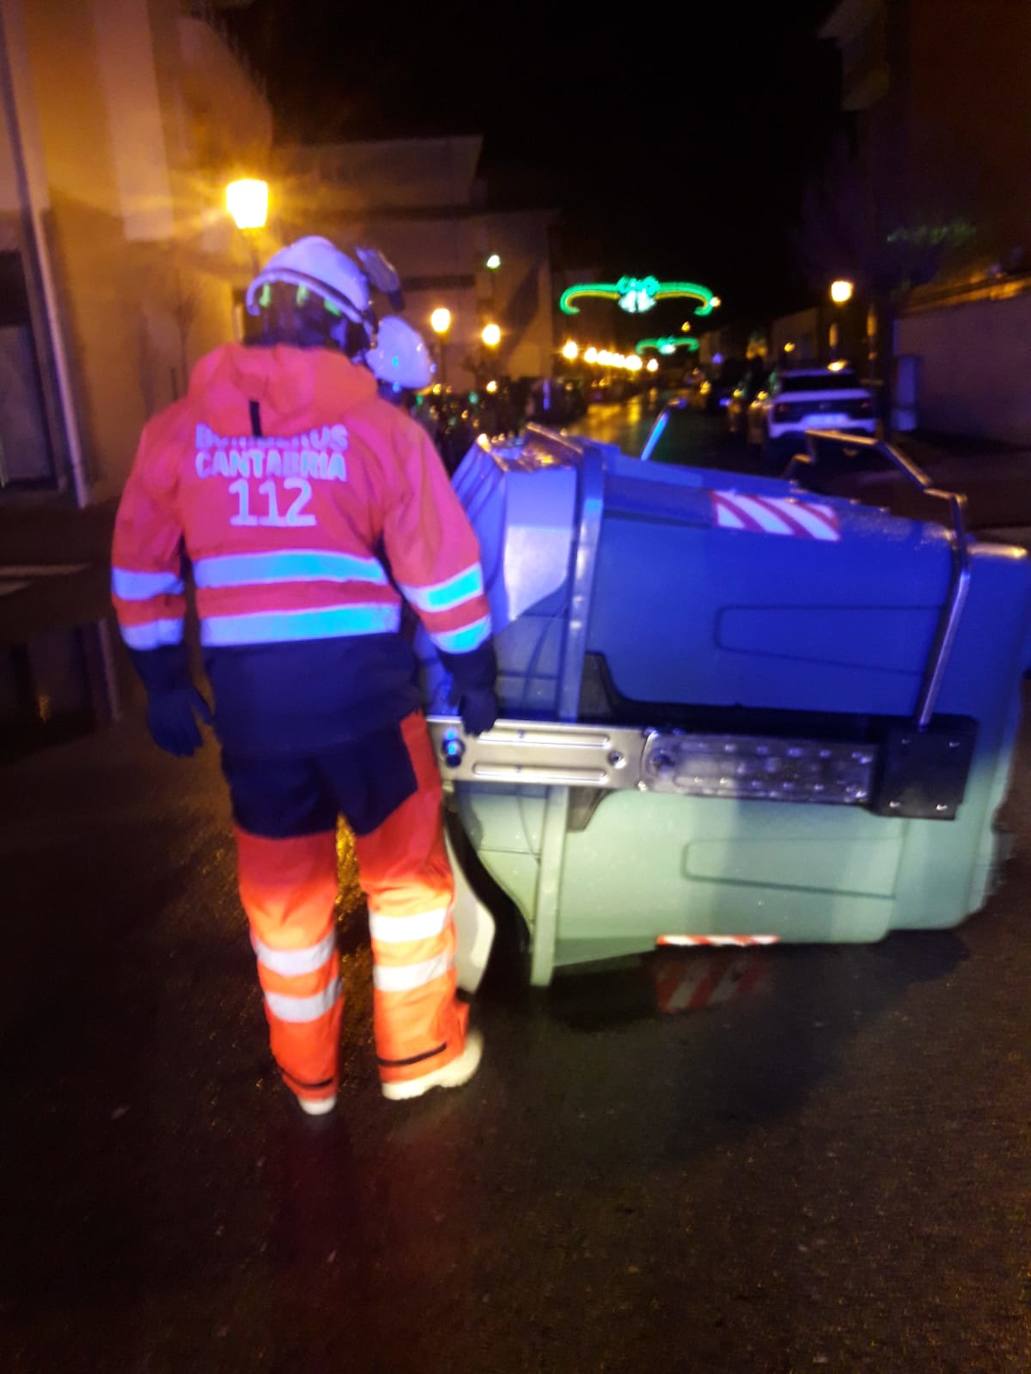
959,554
592,504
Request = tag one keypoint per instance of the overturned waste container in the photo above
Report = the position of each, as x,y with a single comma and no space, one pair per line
734,712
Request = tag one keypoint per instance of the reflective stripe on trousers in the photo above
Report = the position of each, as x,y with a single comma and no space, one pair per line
288,888
405,874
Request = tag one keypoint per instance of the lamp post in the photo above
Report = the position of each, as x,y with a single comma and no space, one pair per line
440,322
247,206
841,292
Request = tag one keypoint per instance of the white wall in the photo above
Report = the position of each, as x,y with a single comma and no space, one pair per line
975,367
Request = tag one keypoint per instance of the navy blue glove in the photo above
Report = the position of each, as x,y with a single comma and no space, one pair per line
478,708
172,720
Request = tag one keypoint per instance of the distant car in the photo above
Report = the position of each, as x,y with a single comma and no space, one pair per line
807,398
697,388
735,413
725,378
609,391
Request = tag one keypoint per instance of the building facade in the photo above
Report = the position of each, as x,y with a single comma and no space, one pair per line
421,202
940,104
121,123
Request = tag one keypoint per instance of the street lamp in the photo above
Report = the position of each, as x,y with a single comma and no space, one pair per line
842,291
493,262
440,323
247,203
715,303
570,350
491,335
652,365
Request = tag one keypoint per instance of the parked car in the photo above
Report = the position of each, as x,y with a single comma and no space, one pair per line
561,401
736,410
724,378
807,398
695,387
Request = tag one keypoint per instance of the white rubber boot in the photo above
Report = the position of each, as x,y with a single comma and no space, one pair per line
317,1106
452,1075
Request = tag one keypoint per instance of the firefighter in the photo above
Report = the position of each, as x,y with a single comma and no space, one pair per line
400,361
308,508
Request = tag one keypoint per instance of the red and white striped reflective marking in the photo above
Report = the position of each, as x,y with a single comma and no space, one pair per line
706,980
717,941
735,510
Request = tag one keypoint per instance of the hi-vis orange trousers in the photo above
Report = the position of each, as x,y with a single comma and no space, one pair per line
387,787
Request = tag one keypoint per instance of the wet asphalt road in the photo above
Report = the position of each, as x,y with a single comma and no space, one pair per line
829,1170
701,437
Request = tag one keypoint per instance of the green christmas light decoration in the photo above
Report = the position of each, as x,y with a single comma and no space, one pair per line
668,344
637,295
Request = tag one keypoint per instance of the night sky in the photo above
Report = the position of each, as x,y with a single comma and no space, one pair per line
674,146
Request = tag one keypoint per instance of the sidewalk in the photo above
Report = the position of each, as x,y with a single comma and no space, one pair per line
996,480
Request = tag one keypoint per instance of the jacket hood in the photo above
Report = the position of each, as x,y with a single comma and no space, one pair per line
292,386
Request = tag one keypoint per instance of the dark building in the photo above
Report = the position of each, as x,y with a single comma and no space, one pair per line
931,206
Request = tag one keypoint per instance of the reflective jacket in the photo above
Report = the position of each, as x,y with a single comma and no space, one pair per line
307,508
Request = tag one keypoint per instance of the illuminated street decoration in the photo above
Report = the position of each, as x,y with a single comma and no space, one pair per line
667,345
606,357
636,295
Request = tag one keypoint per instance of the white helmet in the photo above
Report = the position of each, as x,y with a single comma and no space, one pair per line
400,356
318,265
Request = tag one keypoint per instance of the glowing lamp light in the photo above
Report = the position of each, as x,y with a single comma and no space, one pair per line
247,203
838,365
570,350
789,347
492,387
715,303
493,262
491,335
652,365
634,363
440,320
842,291
590,355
